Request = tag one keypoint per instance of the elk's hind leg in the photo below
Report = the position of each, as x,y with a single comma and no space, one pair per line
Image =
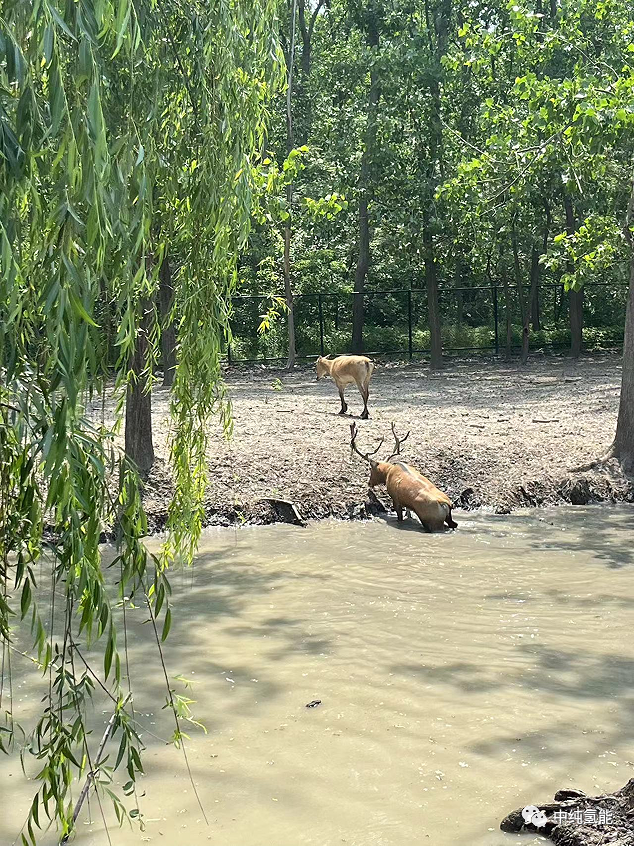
426,526
364,390
399,510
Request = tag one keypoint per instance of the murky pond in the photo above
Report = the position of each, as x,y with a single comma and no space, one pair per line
460,676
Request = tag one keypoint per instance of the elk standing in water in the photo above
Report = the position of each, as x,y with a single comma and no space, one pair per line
346,369
407,487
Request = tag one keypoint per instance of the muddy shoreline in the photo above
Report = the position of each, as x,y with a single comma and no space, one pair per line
573,489
492,434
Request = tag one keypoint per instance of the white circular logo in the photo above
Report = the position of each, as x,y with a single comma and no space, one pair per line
532,814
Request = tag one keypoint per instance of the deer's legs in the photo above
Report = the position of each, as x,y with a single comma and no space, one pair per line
344,406
399,510
425,525
365,393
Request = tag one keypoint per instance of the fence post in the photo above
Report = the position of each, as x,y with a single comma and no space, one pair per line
410,346
321,325
495,318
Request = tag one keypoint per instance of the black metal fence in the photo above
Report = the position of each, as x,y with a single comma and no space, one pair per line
473,319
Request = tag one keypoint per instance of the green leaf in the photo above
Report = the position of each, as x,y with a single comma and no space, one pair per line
167,624
25,599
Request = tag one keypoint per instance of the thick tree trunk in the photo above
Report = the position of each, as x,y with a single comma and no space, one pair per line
138,409
365,193
168,333
433,306
576,297
576,322
623,446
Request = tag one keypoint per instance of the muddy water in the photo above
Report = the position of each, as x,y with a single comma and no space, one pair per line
460,676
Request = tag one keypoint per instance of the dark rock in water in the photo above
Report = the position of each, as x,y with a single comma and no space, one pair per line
314,703
576,819
357,512
578,492
468,499
286,511
569,793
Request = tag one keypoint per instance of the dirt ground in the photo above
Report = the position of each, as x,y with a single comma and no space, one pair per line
488,433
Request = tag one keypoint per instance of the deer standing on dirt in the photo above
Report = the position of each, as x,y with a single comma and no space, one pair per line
346,369
407,487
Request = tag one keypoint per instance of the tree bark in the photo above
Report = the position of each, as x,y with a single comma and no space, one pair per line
288,286
306,28
168,333
139,447
507,316
458,285
623,446
576,297
524,312
365,192
288,295
433,305
536,270
535,320
576,322
442,22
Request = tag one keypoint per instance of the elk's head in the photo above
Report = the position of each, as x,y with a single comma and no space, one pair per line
377,468
376,478
322,367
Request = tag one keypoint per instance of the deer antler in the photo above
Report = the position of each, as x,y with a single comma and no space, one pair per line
398,442
353,443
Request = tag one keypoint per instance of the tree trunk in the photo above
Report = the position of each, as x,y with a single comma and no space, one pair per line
576,297
138,409
363,263
507,315
536,270
306,28
576,322
442,21
288,294
535,267
365,192
168,333
623,446
288,287
524,312
433,307
459,292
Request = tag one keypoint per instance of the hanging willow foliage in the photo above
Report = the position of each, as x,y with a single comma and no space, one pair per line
126,126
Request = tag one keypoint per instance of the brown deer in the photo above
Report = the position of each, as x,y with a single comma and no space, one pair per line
346,369
408,488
